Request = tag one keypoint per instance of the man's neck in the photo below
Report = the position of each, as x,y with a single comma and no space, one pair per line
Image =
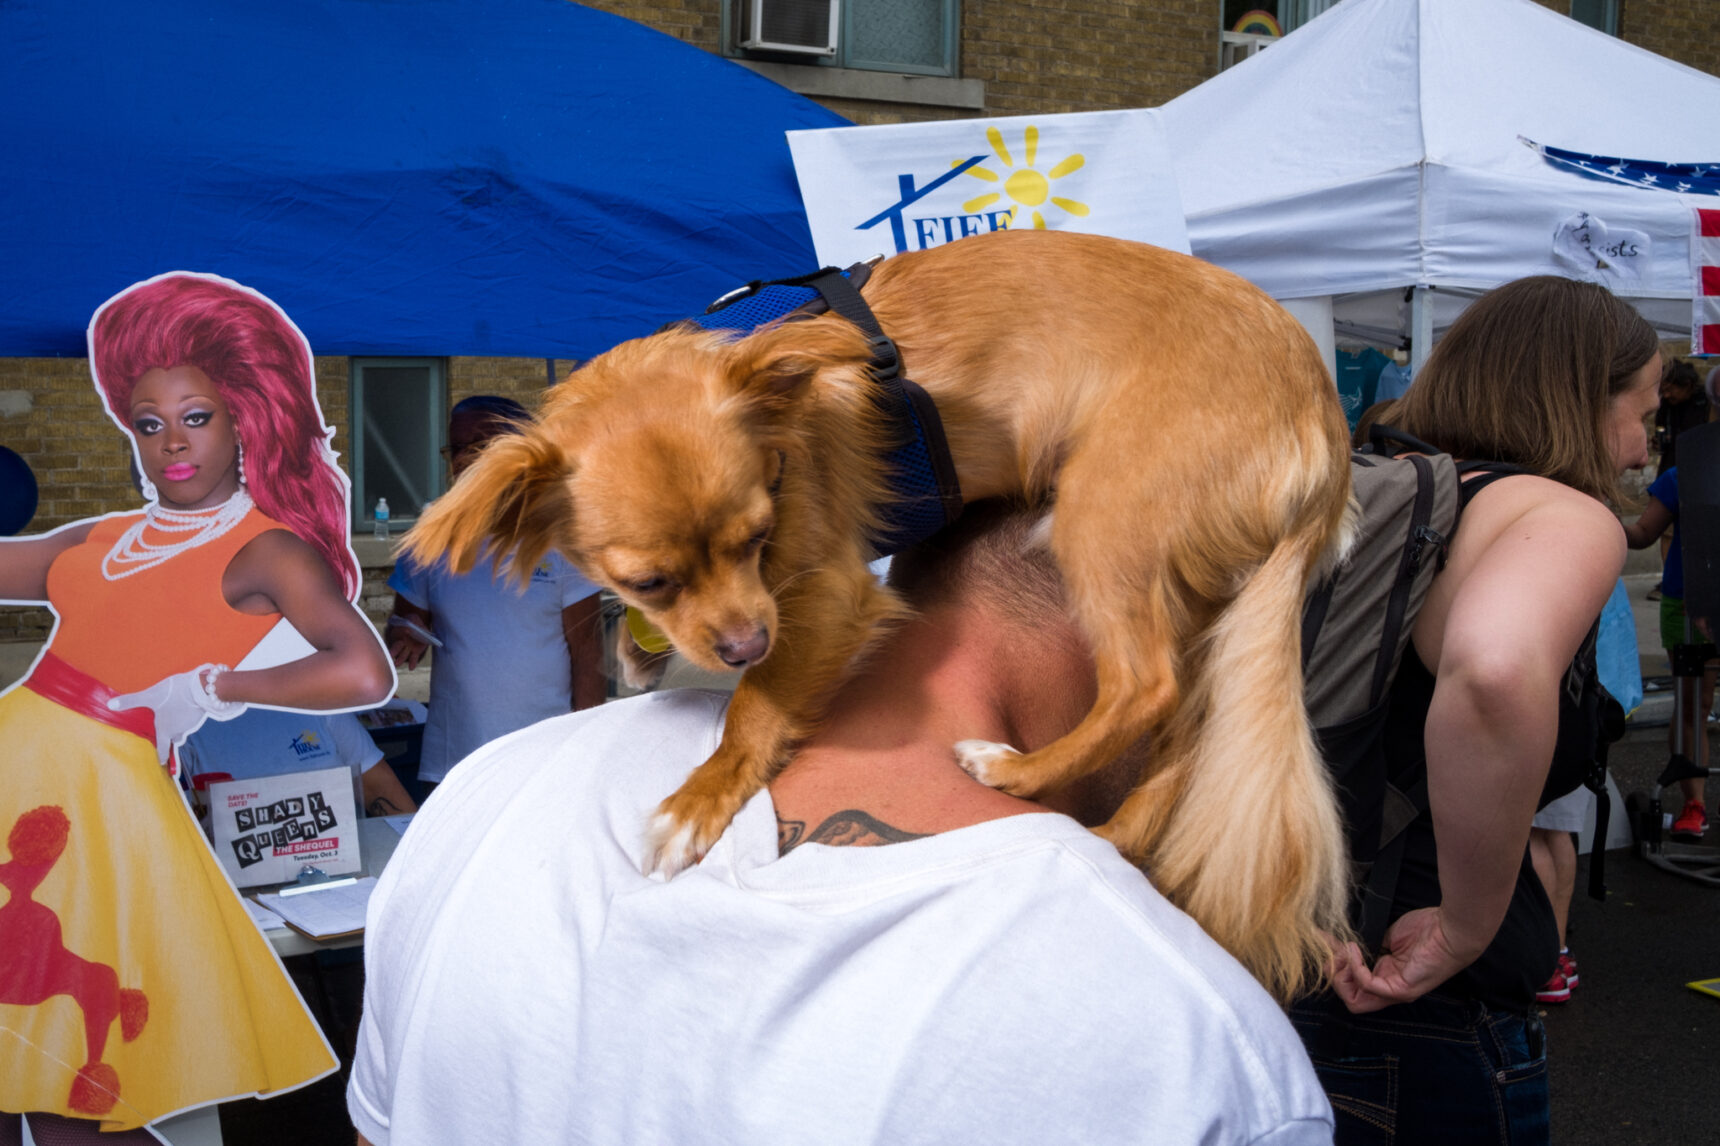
882,768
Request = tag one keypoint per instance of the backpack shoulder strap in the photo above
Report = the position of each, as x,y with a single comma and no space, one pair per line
1408,507
1379,890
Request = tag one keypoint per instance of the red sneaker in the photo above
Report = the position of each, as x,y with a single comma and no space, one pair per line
1692,822
1567,966
1555,990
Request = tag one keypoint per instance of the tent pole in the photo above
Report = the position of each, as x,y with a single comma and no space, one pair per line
1420,329
1315,315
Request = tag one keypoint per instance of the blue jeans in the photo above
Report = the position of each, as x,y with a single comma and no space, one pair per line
1439,1070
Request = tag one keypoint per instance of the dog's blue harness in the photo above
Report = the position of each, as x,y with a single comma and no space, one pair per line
925,495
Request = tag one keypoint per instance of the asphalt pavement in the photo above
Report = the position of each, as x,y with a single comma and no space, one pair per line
1628,1054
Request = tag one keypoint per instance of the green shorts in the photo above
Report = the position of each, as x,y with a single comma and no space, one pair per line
1672,624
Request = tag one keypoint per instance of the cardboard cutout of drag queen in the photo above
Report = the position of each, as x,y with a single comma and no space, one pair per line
132,983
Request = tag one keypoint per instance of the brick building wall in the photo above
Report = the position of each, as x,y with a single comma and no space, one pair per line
1086,55
1684,30
51,416
1043,56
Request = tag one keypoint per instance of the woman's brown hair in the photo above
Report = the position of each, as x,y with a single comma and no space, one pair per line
1527,374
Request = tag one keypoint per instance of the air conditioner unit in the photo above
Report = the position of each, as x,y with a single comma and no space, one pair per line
805,27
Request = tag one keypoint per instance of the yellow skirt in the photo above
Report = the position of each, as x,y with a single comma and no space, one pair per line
207,1011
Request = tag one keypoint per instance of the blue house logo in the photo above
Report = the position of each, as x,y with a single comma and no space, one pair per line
1025,193
931,230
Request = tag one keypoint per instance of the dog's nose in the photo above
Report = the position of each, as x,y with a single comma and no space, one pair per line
740,651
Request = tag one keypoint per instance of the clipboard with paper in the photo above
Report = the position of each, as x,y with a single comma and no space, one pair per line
324,915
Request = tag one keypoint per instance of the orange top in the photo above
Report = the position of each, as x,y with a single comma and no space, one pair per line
132,632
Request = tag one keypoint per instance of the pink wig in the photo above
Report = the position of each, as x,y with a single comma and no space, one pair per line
261,364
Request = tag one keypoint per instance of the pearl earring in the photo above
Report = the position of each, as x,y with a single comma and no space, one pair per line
241,449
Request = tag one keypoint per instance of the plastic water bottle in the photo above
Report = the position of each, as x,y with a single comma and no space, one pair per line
382,519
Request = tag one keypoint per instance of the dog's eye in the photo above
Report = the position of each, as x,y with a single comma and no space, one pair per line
757,540
649,585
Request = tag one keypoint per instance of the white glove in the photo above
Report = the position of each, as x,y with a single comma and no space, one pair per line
181,704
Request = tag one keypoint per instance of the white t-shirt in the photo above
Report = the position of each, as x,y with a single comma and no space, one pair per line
1014,981
504,661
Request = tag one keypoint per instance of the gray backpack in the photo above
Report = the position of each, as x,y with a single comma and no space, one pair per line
1355,627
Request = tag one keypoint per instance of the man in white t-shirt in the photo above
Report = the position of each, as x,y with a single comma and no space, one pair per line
509,657
878,950
267,742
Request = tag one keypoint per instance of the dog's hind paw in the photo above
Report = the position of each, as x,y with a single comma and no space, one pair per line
979,759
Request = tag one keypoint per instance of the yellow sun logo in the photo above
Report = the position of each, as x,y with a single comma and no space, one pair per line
1025,186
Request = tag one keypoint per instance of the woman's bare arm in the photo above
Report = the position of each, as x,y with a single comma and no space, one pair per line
1499,646
582,628
1648,527
278,572
24,561
384,794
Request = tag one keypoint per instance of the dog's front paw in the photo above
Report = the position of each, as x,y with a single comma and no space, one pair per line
683,830
986,761
669,846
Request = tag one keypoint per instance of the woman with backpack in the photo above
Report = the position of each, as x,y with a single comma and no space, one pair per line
1542,388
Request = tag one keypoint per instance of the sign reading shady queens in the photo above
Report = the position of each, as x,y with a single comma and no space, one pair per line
267,828
894,188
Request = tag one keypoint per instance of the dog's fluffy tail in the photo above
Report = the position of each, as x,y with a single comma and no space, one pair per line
514,499
1255,853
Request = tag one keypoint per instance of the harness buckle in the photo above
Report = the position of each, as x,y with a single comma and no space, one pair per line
735,295
1426,537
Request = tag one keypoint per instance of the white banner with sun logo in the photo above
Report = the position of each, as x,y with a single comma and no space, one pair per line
905,187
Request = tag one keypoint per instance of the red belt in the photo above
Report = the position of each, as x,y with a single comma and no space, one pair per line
53,679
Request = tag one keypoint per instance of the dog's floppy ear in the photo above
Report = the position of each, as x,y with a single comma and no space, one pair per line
777,362
514,497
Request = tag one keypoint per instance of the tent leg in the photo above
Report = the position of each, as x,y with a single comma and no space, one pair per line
1420,330
1315,315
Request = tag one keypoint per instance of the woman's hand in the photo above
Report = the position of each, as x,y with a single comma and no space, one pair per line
408,633
405,649
181,703
1420,955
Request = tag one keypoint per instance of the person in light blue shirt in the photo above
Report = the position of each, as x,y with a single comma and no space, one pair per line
268,742
506,657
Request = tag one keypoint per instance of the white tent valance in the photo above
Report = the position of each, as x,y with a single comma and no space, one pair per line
1380,148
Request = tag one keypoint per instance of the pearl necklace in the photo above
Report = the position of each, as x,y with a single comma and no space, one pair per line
133,554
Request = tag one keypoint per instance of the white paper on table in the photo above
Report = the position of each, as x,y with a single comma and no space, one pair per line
262,916
323,914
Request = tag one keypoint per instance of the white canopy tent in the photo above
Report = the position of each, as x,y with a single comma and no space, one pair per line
1372,164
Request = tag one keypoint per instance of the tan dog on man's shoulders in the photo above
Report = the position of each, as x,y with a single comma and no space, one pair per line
726,487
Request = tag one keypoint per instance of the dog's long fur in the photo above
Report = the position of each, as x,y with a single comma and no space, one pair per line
1194,499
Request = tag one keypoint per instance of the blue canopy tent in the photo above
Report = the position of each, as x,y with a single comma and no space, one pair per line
443,177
